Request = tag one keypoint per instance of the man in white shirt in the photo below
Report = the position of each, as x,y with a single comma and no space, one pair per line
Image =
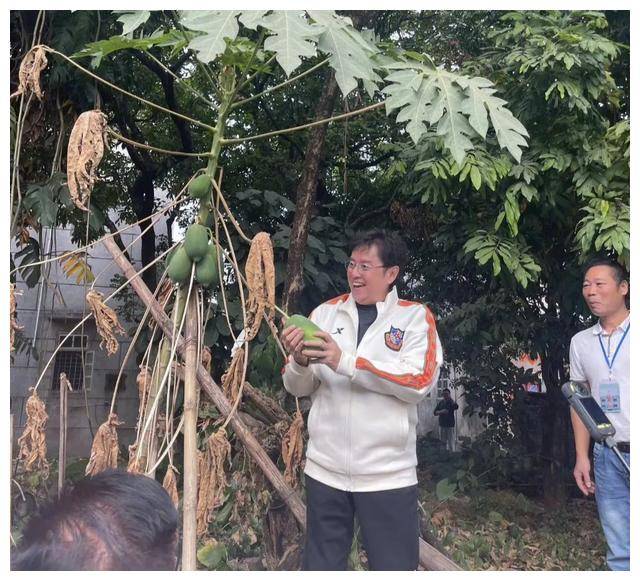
599,357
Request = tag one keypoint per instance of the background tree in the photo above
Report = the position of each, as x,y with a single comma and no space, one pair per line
518,232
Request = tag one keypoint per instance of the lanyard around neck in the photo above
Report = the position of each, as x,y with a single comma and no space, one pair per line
606,357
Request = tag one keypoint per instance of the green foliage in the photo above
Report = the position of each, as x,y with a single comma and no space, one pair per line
291,39
42,200
217,26
99,49
456,106
132,20
212,554
25,259
489,247
350,53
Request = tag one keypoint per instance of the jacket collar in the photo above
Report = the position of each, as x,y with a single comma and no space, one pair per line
390,300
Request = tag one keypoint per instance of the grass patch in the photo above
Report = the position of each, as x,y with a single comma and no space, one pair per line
503,530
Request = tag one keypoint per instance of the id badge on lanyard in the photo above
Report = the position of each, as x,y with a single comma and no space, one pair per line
610,390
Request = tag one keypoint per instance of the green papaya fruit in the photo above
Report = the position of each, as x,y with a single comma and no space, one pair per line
179,267
200,187
207,268
196,242
308,327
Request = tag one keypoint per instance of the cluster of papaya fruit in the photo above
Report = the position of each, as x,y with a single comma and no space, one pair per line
196,248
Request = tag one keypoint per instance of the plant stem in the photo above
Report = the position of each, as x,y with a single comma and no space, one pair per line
300,127
124,92
181,82
228,88
276,87
153,148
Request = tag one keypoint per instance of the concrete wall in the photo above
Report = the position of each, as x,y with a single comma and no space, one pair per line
61,308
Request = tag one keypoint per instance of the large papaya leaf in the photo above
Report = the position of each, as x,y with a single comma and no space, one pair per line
132,19
98,50
455,106
480,99
216,24
252,18
293,37
350,54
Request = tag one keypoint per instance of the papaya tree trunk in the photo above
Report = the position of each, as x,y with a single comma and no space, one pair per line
190,467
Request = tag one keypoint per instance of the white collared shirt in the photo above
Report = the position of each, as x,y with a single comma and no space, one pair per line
587,364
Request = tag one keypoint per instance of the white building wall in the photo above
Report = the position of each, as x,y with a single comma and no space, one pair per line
62,306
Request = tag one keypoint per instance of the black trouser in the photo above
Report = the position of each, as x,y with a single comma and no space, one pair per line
388,521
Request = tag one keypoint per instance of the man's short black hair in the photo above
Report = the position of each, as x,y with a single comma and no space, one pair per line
620,272
391,247
113,521
447,390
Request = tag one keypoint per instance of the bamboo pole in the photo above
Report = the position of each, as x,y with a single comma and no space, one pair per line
62,429
430,558
190,491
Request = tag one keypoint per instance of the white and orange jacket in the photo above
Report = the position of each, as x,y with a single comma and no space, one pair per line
362,422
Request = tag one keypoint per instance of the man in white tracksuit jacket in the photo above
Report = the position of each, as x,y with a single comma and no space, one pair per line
376,358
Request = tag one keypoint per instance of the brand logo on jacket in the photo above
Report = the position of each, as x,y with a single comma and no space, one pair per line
393,338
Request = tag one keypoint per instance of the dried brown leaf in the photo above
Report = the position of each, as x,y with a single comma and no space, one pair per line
170,484
13,324
292,448
134,464
163,294
261,280
232,378
32,443
212,478
86,147
206,358
32,65
106,321
104,450
143,381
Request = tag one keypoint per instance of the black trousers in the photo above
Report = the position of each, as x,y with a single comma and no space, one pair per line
388,522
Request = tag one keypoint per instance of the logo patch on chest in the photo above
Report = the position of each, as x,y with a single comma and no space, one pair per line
393,338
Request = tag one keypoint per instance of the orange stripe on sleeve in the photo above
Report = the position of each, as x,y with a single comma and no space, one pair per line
410,379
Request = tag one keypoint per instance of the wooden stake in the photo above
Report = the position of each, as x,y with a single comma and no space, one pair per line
430,558
190,483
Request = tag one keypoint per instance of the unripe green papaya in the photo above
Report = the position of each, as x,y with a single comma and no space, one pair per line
207,268
308,327
200,187
179,267
196,242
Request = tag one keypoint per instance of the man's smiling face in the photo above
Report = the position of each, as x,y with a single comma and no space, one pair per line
369,279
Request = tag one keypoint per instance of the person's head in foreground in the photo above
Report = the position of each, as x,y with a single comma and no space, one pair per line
113,521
